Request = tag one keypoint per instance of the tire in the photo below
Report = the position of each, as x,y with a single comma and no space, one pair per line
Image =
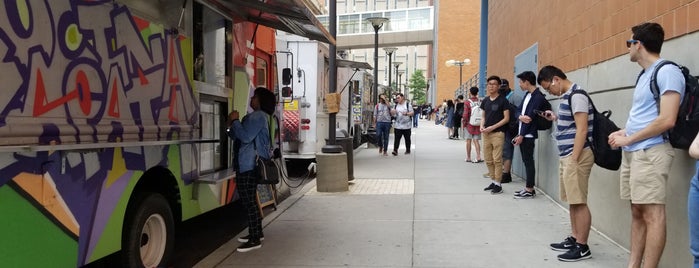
148,239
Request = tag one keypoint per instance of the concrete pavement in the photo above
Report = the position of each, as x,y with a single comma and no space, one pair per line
426,209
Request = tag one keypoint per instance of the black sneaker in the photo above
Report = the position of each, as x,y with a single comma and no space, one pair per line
490,187
523,194
506,178
579,252
394,153
566,245
497,189
250,245
245,239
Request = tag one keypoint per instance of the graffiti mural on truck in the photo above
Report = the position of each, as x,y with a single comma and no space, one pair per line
85,72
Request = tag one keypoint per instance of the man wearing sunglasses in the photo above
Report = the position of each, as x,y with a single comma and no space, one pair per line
647,155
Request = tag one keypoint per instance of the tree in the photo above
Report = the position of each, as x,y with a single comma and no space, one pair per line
418,87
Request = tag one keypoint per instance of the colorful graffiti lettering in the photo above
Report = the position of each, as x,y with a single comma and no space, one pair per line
85,72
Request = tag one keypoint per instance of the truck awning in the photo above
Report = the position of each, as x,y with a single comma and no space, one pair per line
353,64
292,16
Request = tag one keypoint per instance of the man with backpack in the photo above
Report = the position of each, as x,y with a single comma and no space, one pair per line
573,130
403,112
508,148
647,154
534,102
472,120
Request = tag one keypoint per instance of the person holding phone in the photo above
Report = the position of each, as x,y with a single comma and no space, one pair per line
527,133
382,123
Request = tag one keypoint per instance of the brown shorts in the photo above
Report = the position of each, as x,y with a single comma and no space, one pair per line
574,177
643,176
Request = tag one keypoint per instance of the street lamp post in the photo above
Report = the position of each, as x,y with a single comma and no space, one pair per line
400,74
397,63
461,65
377,23
389,52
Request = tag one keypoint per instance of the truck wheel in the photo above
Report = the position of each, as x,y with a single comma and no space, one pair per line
149,232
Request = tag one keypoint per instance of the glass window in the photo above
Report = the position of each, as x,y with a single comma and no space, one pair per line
261,72
209,43
349,24
419,19
211,117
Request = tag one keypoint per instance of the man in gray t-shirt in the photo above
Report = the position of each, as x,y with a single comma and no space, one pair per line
403,112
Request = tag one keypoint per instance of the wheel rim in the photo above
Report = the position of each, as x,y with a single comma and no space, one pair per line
153,240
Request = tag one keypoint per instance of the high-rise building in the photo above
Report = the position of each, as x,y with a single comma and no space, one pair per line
406,17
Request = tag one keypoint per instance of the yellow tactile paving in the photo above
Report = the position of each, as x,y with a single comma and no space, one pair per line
374,187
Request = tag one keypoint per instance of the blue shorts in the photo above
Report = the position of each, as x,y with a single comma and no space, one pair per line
508,148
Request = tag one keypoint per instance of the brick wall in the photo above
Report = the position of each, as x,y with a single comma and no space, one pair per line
575,34
457,38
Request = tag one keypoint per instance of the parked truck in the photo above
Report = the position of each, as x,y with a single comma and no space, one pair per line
303,68
113,117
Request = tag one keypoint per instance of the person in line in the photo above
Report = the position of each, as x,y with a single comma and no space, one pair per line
693,204
573,130
647,155
403,112
251,138
493,125
417,110
528,132
382,124
456,118
508,148
449,117
473,132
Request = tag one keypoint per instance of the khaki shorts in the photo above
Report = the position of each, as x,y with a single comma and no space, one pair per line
644,174
574,177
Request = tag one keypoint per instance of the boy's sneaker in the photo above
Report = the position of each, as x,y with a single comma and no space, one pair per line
579,252
566,245
250,245
490,187
245,239
497,189
506,178
522,194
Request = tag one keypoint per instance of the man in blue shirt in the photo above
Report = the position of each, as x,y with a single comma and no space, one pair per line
647,155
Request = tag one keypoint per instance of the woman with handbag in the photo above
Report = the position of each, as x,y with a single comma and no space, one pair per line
250,140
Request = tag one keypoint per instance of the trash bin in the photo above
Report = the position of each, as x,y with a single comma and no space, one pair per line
343,139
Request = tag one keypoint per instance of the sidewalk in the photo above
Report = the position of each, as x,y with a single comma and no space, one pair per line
427,209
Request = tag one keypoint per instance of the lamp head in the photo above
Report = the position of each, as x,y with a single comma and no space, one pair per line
397,63
450,63
467,61
390,50
377,22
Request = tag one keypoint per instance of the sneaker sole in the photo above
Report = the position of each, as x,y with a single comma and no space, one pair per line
574,260
242,240
523,197
559,249
501,191
249,249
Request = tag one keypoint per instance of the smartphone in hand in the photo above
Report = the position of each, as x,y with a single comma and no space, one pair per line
540,113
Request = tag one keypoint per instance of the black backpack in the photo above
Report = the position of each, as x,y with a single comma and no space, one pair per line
687,123
512,124
602,126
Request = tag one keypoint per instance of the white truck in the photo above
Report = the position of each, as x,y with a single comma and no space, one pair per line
303,68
